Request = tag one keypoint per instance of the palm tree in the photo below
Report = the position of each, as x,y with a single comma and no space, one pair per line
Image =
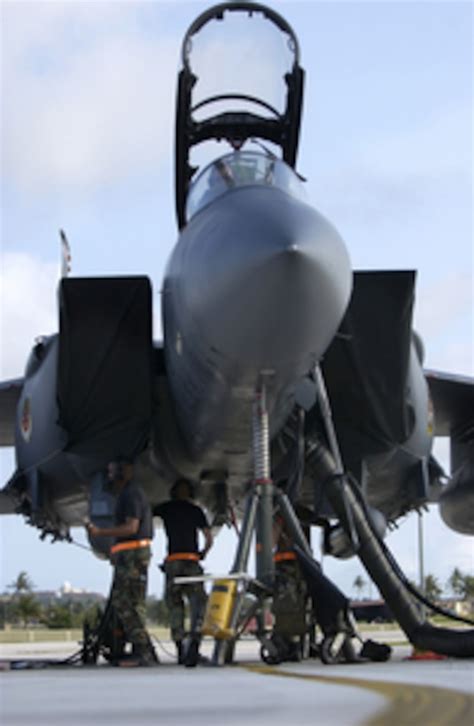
359,584
432,587
467,591
25,606
22,583
456,581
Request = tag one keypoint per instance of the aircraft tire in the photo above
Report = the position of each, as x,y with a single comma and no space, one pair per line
331,649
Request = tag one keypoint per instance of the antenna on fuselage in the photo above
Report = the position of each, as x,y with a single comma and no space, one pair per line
65,254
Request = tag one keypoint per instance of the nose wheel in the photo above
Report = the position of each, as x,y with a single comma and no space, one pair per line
337,649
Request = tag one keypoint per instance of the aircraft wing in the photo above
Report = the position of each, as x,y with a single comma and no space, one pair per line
453,402
9,394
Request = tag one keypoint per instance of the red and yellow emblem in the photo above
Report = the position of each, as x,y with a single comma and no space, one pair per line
26,422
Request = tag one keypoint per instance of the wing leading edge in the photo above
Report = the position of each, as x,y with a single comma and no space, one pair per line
453,402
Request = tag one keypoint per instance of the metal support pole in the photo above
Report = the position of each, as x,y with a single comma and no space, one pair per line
327,416
258,516
421,561
246,533
336,453
264,487
222,648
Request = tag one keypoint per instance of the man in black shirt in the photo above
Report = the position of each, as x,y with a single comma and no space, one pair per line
131,556
183,519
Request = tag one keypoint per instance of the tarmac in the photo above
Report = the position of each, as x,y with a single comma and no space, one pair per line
396,693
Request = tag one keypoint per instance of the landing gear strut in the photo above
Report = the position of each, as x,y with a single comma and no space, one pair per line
258,517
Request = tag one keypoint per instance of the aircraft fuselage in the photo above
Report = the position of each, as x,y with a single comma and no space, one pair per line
255,289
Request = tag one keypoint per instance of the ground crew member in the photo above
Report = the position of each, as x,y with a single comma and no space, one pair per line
130,556
183,519
290,598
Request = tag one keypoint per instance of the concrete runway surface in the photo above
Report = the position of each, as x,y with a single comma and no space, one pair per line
396,693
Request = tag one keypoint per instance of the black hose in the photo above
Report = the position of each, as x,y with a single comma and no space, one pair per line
381,565
38,663
396,567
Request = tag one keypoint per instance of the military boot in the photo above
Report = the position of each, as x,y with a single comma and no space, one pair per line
192,653
180,652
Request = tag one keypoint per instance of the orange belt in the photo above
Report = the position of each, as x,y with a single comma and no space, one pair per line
284,556
193,556
134,544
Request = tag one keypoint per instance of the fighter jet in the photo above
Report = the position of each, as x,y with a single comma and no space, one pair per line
285,380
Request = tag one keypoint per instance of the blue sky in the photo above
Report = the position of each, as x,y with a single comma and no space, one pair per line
87,144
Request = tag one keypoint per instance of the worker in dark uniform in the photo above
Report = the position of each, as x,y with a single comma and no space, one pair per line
130,556
183,520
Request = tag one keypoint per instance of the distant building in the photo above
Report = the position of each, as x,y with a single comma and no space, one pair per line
55,597
458,606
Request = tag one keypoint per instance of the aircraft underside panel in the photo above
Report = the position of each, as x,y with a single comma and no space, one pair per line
366,366
105,365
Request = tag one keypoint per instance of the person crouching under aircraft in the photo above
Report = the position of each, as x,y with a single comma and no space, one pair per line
183,519
130,556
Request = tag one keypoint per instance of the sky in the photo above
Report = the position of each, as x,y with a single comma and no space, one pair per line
87,144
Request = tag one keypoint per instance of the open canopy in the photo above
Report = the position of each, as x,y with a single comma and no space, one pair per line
240,80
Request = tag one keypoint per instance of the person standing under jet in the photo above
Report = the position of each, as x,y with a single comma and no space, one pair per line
290,597
183,519
131,556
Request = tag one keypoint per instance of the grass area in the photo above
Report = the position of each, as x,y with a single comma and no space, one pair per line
45,635
38,635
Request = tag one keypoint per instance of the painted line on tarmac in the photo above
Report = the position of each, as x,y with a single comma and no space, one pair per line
408,703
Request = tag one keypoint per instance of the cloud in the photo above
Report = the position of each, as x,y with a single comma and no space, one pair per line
90,97
445,320
437,145
444,300
91,94
28,295
402,182
403,201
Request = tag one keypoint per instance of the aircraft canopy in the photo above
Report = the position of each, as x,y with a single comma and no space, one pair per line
240,80
238,169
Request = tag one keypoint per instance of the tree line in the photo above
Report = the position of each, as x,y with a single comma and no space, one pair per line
24,608
460,584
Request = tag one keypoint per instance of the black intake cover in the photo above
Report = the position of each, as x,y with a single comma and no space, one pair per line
366,366
104,372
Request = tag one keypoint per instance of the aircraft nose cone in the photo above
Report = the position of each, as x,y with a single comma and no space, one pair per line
267,278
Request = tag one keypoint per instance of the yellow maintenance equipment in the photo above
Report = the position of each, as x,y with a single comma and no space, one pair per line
219,609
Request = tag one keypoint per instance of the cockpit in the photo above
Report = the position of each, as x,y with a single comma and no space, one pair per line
241,169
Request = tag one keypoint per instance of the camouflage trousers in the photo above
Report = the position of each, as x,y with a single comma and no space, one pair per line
176,594
289,600
129,596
